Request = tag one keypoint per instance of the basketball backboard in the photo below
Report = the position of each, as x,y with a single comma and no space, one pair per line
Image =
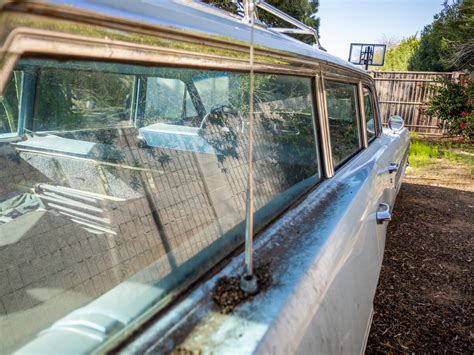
367,54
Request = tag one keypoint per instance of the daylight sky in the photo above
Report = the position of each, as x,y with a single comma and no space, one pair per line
368,21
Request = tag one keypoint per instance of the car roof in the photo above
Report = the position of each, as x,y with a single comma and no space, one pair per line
198,18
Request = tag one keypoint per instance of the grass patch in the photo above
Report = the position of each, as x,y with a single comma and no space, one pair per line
423,154
429,151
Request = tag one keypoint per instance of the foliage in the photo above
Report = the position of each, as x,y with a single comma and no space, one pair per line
447,44
454,104
303,10
9,104
72,99
398,55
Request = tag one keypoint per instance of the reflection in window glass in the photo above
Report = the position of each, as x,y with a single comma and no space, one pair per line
343,119
284,147
9,105
214,90
369,114
79,99
136,185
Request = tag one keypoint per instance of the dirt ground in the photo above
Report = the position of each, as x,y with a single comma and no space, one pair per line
424,300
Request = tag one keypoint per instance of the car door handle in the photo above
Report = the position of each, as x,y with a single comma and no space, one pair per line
384,213
392,168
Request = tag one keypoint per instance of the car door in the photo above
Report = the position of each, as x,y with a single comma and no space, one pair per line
390,166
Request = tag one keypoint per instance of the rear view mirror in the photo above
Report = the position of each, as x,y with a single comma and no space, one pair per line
396,123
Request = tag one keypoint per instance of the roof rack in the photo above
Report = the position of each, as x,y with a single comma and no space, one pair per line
301,28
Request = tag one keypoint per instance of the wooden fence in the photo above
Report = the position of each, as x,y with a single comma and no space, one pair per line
406,94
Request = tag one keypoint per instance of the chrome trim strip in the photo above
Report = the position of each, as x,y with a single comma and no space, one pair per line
32,41
326,153
362,121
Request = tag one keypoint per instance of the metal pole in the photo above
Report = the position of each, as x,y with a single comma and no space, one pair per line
247,10
248,282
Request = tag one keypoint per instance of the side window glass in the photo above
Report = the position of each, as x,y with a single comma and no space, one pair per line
343,119
369,114
9,106
214,90
79,99
285,153
168,100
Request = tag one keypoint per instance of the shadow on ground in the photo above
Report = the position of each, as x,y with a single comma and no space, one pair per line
425,291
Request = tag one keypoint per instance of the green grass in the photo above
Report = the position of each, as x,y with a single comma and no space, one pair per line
429,151
423,154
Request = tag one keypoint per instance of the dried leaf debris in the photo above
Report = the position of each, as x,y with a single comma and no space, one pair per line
228,295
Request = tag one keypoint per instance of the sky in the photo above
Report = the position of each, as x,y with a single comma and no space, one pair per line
368,21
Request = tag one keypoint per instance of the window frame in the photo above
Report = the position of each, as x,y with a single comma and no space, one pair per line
378,130
14,136
355,83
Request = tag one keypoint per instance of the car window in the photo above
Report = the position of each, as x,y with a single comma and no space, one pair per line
9,106
132,180
369,114
214,90
81,99
343,119
168,99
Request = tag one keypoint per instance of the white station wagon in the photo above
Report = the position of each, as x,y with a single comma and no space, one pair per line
126,129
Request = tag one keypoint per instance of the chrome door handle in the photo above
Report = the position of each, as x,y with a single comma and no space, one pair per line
392,168
384,213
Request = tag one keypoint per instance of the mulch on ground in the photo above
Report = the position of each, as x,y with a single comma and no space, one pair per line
424,300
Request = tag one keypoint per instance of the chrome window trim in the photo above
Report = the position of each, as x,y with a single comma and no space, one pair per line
39,42
116,15
328,165
362,122
377,123
361,145
176,47
317,129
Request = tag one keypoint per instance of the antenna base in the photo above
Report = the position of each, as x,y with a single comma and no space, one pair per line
248,284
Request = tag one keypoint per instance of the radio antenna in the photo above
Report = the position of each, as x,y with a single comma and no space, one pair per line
248,281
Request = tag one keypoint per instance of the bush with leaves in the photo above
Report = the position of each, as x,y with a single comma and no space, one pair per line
454,105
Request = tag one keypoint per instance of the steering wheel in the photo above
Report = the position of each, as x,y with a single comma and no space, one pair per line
221,128
220,115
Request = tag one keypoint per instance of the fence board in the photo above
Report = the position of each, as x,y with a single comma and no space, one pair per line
406,94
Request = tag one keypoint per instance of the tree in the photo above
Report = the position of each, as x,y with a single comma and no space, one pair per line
447,44
303,10
398,55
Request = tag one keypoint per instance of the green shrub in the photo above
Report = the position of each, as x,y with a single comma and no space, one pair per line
454,104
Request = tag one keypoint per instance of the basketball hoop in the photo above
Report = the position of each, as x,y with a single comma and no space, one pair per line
367,54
